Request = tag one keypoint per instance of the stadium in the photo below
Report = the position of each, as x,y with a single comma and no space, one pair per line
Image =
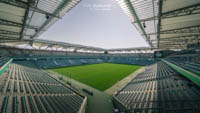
47,76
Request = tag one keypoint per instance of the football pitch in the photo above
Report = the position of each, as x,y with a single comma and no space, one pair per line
99,76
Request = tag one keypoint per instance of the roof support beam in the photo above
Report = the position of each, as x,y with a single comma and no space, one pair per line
173,47
8,41
191,29
190,10
176,43
2,37
8,32
46,13
179,37
25,19
30,43
10,23
179,40
159,21
146,19
181,43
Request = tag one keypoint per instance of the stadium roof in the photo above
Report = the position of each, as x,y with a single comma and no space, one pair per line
52,45
144,16
27,19
63,46
164,24
179,23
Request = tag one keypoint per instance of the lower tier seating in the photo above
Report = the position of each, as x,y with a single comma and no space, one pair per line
29,90
3,60
159,89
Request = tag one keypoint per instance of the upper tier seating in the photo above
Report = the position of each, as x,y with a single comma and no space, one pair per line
133,61
189,62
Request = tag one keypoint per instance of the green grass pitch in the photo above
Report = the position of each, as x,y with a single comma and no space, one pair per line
99,76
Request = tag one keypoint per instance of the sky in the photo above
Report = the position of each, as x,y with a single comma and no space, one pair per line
97,23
